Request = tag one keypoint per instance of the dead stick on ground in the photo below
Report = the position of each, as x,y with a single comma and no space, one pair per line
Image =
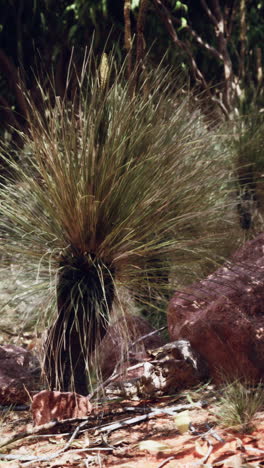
146,336
36,430
253,449
214,434
31,458
138,419
116,374
209,451
103,428
167,460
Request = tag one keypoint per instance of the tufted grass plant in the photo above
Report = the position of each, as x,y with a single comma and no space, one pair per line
239,404
115,190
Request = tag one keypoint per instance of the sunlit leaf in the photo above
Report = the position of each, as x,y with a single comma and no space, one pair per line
184,23
135,4
181,6
182,421
153,446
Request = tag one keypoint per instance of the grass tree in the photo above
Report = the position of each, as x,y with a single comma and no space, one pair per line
114,190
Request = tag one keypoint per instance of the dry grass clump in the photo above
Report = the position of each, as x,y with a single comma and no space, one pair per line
114,189
239,404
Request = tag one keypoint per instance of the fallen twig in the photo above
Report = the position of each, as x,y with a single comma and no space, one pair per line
37,429
100,429
146,336
112,377
116,374
77,450
253,449
151,414
167,460
214,434
31,458
207,455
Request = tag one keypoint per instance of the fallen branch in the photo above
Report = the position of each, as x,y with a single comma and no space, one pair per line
32,458
167,460
142,338
78,450
108,428
254,449
115,374
214,434
207,455
151,414
36,430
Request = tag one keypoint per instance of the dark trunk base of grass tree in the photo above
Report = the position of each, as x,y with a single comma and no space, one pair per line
85,292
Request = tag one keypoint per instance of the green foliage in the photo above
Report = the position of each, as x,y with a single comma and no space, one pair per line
184,24
181,6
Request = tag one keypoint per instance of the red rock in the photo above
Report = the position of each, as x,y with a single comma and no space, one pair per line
48,406
16,377
116,347
223,315
167,370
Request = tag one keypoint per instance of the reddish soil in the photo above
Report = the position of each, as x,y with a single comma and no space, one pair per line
151,444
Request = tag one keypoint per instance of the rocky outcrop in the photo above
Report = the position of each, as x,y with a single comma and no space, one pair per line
18,374
125,342
51,406
223,315
165,370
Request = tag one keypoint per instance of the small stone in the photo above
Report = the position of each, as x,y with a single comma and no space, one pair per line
17,375
55,406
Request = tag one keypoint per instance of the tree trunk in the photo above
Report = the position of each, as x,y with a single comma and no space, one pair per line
85,292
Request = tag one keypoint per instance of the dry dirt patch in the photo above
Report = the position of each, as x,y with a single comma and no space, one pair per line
151,443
